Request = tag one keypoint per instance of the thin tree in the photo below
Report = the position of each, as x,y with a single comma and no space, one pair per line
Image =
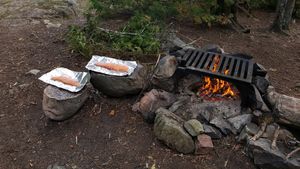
284,15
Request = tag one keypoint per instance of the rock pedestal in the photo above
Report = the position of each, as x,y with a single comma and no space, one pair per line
59,104
118,86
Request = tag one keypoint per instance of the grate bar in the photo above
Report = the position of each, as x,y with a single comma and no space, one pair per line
237,68
231,66
202,60
191,59
207,61
187,55
199,56
243,70
225,65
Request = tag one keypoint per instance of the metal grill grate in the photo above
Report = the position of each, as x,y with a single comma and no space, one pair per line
231,68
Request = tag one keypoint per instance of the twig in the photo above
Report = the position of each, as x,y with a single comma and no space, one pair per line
244,10
194,41
151,77
293,152
275,137
117,32
229,156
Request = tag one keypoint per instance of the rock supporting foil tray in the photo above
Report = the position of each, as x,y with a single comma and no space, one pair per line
60,104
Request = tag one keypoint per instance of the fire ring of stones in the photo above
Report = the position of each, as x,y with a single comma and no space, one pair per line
187,120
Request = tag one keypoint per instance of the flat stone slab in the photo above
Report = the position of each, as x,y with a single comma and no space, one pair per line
59,104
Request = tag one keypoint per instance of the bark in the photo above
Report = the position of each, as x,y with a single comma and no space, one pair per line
286,108
284,15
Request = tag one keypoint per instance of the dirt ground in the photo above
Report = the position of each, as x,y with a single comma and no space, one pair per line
92,138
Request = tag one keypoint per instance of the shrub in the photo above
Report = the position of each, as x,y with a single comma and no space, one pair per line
146,25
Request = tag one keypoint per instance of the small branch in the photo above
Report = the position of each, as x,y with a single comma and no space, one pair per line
245,11
292,153
117,32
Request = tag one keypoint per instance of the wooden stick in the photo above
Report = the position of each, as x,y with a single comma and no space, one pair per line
260,132
275,137
293,152
116,32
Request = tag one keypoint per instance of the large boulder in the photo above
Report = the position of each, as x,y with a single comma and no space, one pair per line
168,128
118,86
59,104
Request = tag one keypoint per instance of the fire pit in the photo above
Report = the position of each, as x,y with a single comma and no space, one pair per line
214,95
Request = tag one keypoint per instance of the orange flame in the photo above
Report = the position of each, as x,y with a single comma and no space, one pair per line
213,86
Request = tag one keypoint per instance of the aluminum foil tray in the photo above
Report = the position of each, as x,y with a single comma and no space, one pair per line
102,59
81,77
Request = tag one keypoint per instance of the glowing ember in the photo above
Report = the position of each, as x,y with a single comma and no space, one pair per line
215,86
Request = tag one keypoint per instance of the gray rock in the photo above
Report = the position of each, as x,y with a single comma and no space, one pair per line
260,103
212,131
33,72
261,83
24,86
169,128
266,158
207,111
163,74
151,101
248,131
173,41
117,86
238,122
59,104
193,127
297,85
223,125
213,48
49,24
56,166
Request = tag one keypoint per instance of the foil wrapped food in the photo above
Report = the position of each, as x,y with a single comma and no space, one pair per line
102,59
81,77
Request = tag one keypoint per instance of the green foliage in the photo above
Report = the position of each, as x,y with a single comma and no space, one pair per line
144,31
143,37
78,41
262,4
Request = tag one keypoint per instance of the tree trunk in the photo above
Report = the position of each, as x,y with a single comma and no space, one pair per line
284,15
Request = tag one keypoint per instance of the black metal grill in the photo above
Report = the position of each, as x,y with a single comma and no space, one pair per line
227,67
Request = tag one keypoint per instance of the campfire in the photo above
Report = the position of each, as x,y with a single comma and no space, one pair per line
213,88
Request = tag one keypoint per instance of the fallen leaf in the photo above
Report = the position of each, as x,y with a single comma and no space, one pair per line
112,113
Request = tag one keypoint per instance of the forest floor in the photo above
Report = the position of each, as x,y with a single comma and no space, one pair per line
92,138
